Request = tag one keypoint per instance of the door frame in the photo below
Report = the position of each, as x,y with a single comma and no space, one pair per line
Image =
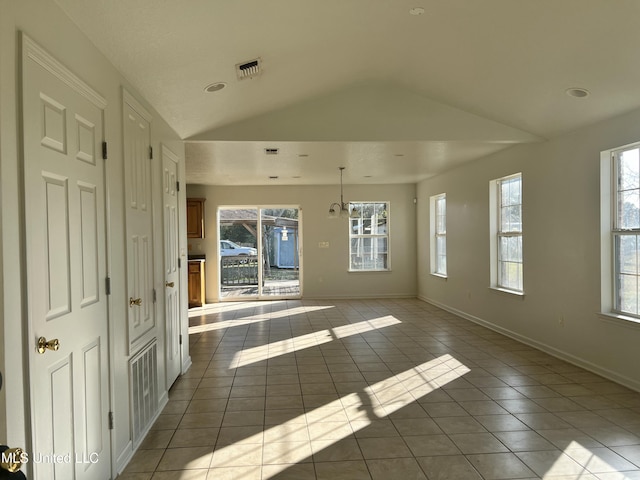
259,208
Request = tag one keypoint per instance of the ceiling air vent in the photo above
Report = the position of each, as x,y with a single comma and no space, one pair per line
271,151
249,69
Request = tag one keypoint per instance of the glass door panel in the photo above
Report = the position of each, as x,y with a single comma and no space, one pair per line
280,252
238,253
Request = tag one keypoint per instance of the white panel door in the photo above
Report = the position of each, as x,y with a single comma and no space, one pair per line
171,271
137,168
66,269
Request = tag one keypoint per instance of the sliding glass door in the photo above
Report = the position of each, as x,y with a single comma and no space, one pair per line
259,252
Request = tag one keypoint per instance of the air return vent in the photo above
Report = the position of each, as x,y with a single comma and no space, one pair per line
271,151
143,369
249,69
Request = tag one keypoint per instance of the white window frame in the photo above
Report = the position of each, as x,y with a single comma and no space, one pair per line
438,209
496,254
357,206
611,232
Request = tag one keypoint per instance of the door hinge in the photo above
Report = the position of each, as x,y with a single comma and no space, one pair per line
180,339
104,150
179,263
150,152
110,420
177,186
155,296
107,282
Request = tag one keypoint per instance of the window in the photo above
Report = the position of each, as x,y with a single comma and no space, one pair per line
626,231
438,204
507,241
369,236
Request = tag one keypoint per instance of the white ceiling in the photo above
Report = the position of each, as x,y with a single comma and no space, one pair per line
359,82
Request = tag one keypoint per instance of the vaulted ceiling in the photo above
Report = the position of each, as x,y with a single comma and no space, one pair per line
366,84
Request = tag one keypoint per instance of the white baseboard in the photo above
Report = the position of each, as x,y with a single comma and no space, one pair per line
124,458
578,361
186,365
127,454
358,297
162,401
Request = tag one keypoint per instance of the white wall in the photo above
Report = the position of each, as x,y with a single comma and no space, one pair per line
324,270
45,23
561,215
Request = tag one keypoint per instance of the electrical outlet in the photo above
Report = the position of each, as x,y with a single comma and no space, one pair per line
323,244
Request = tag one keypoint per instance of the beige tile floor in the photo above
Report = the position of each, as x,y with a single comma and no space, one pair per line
381,389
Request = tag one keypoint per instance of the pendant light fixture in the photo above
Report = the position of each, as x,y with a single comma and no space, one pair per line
342,209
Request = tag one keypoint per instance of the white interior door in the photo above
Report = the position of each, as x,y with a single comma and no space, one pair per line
66,269
171,271
137,167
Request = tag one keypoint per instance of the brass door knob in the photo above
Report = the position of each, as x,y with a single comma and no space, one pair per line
12,459
135,301
169,284
44,345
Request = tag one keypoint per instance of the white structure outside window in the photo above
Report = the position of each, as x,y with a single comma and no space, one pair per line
438,209
506,229
369,237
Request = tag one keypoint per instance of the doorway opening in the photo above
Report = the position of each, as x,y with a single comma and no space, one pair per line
259,252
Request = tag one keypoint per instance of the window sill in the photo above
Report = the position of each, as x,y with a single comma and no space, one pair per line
369,271
620,320
507,293
439,275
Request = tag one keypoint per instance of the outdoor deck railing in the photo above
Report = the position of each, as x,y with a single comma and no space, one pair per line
239,270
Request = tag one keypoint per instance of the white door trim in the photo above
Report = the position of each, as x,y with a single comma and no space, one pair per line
39,55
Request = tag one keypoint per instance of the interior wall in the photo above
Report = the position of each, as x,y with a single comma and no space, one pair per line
561,243
46,24
324,271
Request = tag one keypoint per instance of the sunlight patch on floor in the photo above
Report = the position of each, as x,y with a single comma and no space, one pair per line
296,440
265,316
290,345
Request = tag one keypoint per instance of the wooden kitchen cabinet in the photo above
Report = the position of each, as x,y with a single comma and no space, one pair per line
196,283
195,217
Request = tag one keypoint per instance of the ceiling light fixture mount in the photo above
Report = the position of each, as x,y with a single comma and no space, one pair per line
577,92
215,87
342,209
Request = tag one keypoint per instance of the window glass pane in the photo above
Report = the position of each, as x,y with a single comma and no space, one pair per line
381,245
356,226
629,209
366,226
441,245
628,293
510,262
510,249
510,219
627,254
515,191
629,169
